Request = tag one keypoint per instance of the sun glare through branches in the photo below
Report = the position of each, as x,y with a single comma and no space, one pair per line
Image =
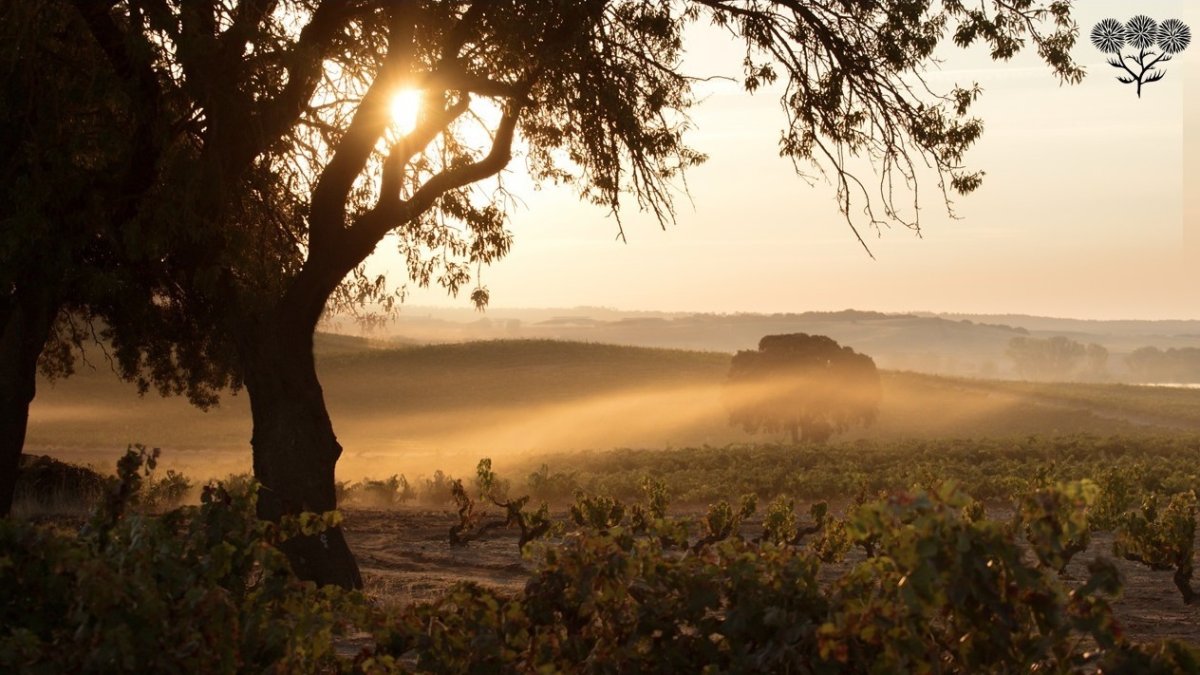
406,103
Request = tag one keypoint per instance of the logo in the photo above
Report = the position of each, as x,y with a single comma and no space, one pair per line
1140,45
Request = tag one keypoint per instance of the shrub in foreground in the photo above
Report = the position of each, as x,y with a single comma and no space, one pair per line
197,589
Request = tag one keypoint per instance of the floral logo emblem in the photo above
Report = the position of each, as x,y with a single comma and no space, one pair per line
1139,45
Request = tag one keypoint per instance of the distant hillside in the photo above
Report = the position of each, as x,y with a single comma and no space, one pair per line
971,345
491,372
1111,327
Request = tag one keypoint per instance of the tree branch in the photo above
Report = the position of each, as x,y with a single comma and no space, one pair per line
115,45
160,15
392,212
327,215
145,94
462,29
197,49
456,78
275,116
247,15
401,152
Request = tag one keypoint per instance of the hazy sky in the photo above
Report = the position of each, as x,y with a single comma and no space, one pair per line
1081,213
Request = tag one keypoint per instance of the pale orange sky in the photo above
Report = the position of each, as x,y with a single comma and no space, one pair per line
1081,213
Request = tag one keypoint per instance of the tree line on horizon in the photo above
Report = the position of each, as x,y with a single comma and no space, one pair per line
1060,358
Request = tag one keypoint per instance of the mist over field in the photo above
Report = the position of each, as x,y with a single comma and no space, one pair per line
401,408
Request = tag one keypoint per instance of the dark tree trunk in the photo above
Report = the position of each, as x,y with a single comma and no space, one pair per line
295,449
24,328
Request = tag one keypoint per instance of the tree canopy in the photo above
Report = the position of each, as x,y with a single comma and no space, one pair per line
806,385
79,146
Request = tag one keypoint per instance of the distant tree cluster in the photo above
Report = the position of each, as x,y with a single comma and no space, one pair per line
806,385
1151,364
1057,358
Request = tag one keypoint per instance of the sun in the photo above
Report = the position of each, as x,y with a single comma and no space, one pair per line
406,104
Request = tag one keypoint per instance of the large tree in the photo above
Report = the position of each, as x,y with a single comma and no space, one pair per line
806,385
594,90
122,207
288,106
80,143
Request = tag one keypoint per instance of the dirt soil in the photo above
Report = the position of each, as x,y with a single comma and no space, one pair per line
406,557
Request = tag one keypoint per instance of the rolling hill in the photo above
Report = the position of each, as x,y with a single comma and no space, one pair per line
412,409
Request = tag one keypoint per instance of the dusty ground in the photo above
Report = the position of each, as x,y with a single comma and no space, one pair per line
405,557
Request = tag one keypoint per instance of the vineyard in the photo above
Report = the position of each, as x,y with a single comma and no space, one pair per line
967,557
991,470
